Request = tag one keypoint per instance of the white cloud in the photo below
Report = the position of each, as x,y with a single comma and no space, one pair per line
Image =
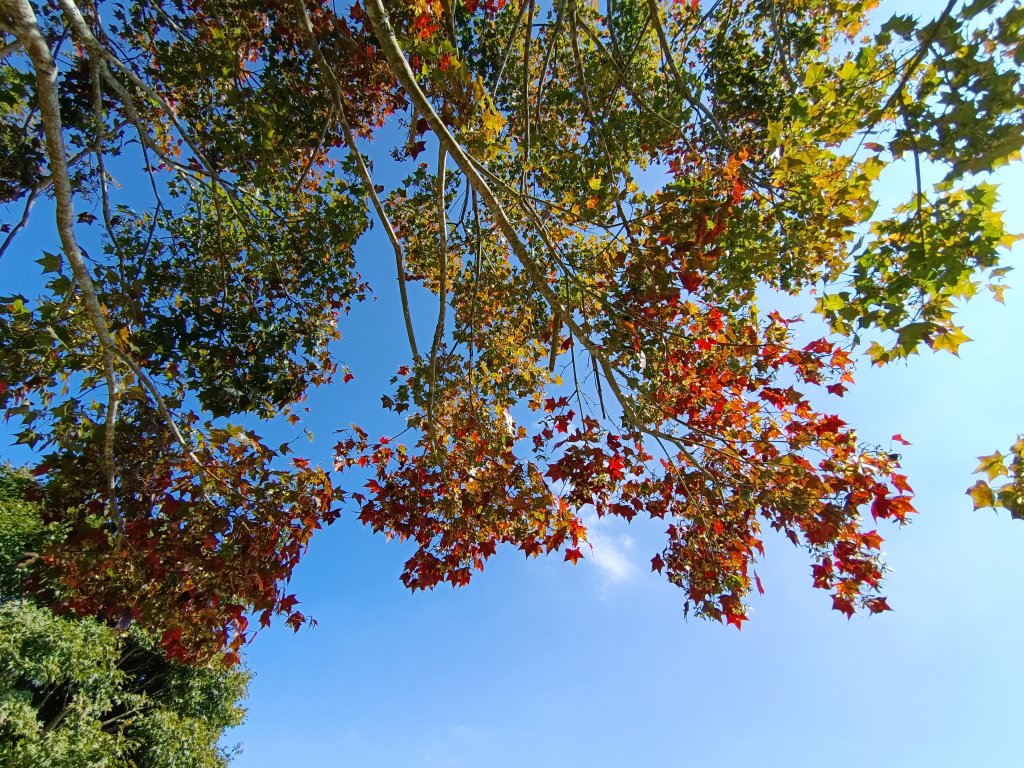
610,554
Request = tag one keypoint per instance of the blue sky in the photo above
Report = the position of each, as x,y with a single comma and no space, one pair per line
545,664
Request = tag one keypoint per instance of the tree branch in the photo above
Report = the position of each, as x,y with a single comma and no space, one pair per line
8,48
592,118
27,31
403,73
364,173
670,61
442,288
29,202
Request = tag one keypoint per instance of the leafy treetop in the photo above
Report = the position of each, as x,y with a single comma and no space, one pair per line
80,693
598,342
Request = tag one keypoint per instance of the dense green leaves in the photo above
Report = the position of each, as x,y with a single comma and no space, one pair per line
75,692
78,692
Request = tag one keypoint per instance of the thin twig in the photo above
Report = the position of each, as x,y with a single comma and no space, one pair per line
8,49
527,46
775,22
364,173
508,47
113,384
29,202
594,123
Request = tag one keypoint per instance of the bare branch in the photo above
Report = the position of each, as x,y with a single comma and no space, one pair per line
8,48
442,288
403,72
27,31
29,202
364,172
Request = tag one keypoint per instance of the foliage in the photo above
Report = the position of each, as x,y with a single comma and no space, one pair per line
79,692
1009,495
612,187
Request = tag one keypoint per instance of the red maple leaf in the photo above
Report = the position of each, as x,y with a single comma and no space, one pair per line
736,619
572,555
555,472
691,280
900,483
287,603
877,605
872,540
843,605
531,547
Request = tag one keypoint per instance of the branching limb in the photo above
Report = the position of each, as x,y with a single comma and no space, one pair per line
364,172
636,97
670,61
33,195
40,187
84,35
442,281
80,29
27,31
908,72
592,118
403,72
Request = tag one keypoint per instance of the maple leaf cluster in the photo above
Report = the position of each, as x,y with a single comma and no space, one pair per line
615,193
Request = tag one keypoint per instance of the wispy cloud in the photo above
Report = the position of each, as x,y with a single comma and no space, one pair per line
611,553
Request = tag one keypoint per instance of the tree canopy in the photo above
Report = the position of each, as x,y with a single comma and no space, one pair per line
598,196
79,693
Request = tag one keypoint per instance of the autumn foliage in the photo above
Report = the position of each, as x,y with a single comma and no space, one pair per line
599,198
